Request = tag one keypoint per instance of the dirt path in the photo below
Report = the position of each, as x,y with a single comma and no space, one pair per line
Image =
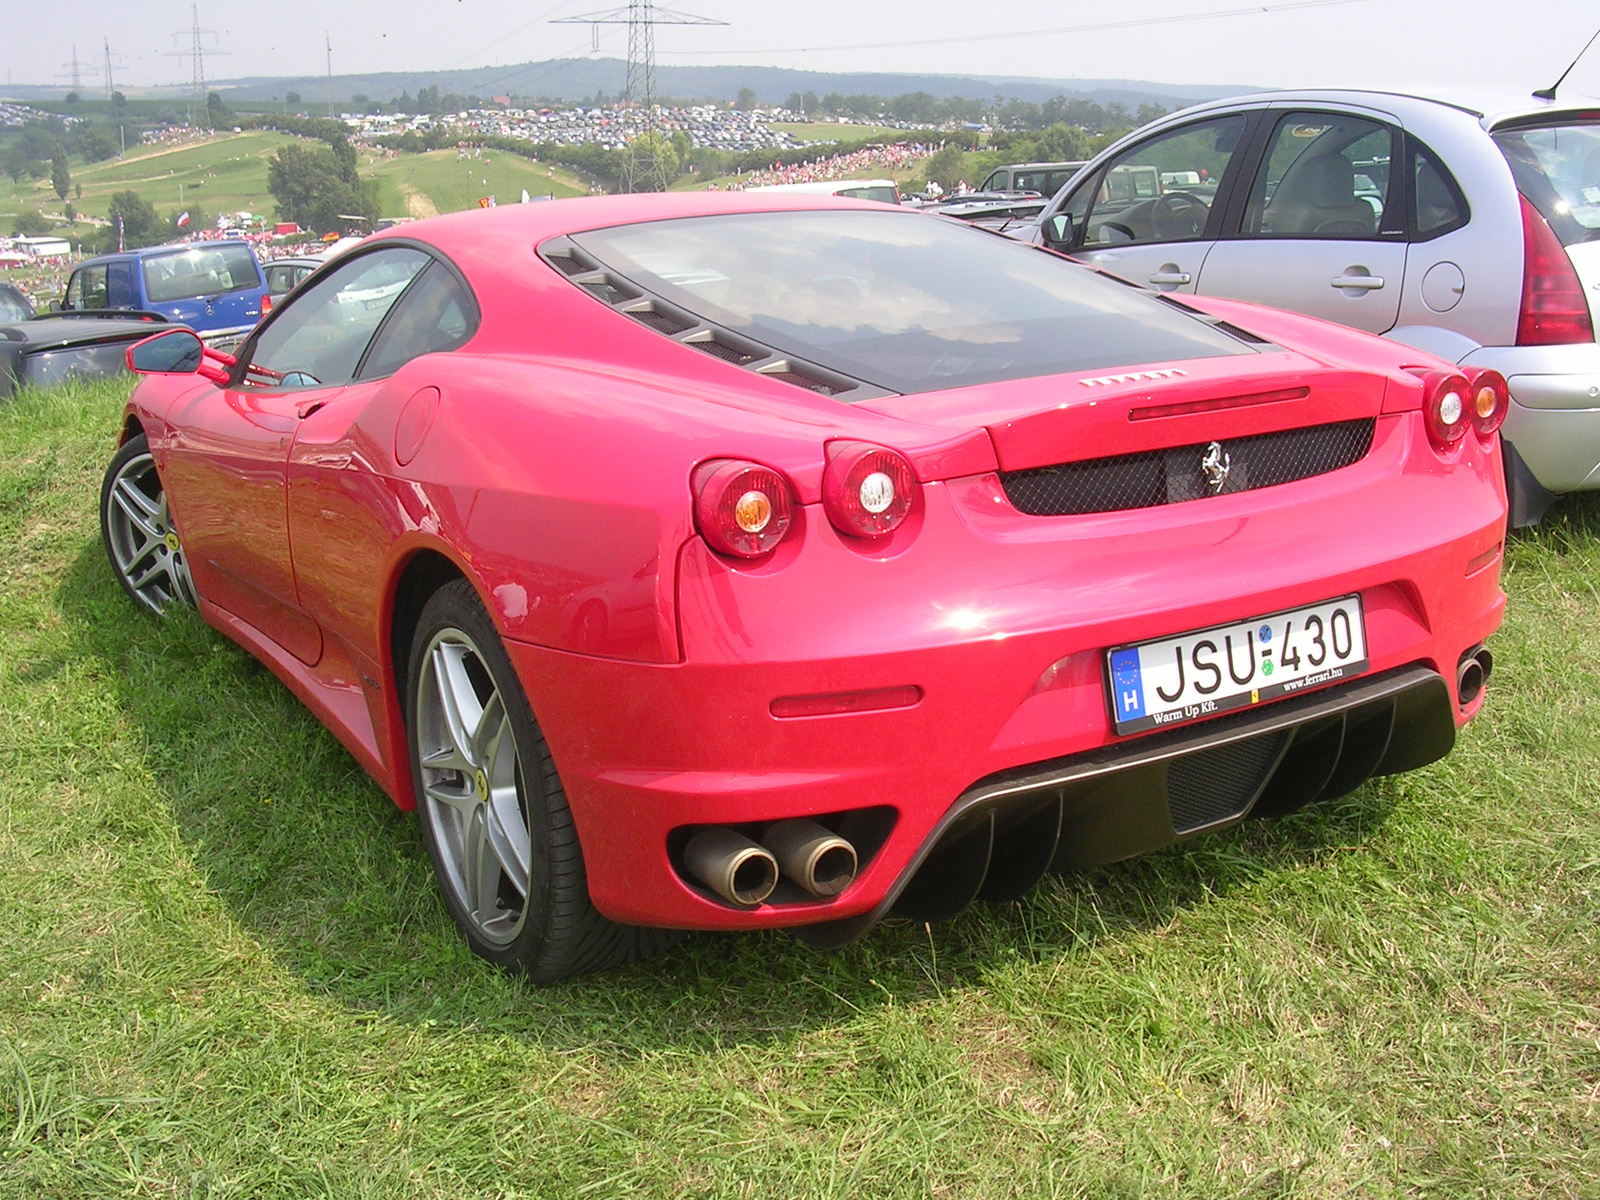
417,205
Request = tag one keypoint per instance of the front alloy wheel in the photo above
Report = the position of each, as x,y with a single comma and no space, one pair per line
136,526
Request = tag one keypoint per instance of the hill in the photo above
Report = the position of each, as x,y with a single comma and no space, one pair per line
582,78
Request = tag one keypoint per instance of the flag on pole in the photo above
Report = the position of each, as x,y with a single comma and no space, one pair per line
183,219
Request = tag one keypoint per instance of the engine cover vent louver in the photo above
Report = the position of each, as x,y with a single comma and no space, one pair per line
664,317
1156,477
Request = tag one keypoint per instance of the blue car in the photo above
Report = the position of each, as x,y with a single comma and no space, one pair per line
215,288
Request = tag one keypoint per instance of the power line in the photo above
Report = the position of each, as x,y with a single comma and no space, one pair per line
1216,14
642,167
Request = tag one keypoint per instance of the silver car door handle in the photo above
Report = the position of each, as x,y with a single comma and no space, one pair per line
1357,283
1177,277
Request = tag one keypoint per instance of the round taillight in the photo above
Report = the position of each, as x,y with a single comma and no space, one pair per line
1490,400
741,508
867,490
1445,407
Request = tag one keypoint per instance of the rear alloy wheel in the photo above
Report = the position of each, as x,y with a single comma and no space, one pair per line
136,526
493,812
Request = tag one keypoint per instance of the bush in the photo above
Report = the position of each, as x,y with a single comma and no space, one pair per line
32,224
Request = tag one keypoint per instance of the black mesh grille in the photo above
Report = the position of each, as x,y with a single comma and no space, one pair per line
724,351
569,264
610,292
661,322
1212,785
805,381
1158,477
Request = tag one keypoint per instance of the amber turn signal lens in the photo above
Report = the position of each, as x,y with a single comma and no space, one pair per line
741,508
1491,399
753,512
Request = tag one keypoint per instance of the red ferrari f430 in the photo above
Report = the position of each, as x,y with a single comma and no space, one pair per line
735,562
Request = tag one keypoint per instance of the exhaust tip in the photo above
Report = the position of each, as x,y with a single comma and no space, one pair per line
817,859
739,870
1471,673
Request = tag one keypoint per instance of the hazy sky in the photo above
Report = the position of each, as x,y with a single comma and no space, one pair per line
1520,43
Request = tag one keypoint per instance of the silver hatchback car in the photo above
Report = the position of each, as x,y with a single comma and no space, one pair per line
1466,225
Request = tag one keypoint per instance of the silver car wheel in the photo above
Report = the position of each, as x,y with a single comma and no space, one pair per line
472,786
145,548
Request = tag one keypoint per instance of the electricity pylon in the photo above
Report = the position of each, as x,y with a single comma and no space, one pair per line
643,166
197,53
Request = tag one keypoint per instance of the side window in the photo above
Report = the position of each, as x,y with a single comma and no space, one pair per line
1436,196
1162,190
87,289
436,314
1325,175
317,337
995,183
120,291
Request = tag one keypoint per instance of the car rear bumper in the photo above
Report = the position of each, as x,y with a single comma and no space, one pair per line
1001,624
1554,420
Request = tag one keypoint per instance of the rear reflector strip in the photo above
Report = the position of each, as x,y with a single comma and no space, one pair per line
1485,559
1200,406
832,703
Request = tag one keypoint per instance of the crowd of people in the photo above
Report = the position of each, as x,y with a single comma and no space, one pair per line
610,126
869,160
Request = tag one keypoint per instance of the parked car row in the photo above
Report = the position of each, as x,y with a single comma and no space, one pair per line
763,560
218,289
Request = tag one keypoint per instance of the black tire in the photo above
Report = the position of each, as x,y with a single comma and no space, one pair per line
551,931
140,539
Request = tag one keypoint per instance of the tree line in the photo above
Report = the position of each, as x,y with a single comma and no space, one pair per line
926,109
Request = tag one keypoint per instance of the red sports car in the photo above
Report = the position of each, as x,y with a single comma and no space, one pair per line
730,562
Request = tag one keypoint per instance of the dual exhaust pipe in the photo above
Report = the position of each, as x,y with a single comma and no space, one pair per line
744,872
1472,672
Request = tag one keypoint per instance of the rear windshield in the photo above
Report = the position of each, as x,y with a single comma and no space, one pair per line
1557,167
883,195
907,302
199,271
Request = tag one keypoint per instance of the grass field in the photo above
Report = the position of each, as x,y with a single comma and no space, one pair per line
224,970
419,185
224,174
229,173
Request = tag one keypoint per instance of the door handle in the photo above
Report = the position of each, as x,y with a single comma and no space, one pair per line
1173,277
1357,283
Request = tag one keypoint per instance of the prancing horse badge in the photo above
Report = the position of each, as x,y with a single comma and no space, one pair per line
1215,466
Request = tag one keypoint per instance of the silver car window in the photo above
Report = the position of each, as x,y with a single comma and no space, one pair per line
1162,190
1325,175
1557,167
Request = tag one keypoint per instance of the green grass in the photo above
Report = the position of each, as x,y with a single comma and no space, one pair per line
444,183
224,174
224,970
228,173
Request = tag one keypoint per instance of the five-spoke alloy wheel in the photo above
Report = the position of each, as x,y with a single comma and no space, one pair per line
493,811
140,539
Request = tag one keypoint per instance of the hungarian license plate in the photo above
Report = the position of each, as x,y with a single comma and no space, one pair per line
1211,671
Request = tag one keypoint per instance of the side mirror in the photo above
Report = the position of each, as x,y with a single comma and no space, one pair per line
1058,230
53,306
171,352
